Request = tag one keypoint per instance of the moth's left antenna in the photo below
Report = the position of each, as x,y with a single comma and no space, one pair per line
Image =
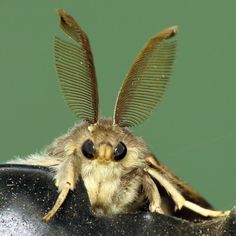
76,70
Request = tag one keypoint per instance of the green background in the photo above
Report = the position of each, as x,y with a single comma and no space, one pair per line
194,130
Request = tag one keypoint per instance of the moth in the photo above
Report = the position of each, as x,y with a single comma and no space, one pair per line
119,171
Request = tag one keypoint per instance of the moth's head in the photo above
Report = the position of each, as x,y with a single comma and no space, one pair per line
106,143
142,90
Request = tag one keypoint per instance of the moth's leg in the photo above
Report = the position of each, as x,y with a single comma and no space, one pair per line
169,187
60,199
152,194
67,174
203,211
178,198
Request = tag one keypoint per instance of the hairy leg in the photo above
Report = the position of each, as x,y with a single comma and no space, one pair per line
178,198
152,194
67,174
169,187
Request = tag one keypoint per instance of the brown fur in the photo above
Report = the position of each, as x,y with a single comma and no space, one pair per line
113,186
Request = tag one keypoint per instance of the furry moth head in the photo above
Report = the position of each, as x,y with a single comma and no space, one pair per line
142,89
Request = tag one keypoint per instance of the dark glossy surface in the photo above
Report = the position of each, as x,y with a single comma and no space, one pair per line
27,193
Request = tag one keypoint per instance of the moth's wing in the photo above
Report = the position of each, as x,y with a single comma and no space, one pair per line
76,71
187,191
147,80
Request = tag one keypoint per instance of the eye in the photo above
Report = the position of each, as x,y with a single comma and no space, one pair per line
88,149
120,151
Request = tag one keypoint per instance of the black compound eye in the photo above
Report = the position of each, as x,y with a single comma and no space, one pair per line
88,149
120,151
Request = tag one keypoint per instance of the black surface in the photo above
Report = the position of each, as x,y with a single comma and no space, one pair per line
27,193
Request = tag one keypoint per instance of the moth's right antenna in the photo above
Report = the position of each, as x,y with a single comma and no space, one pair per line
76,71
146,81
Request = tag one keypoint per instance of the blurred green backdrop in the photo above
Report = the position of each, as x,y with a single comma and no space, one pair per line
194,130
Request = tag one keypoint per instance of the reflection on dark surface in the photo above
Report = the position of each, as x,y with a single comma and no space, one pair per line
27,193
